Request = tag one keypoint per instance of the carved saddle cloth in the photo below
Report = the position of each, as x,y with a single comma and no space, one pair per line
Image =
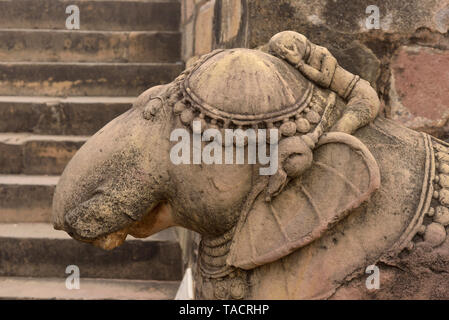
343,175
243,88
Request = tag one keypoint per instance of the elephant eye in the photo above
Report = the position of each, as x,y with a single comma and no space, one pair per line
152,108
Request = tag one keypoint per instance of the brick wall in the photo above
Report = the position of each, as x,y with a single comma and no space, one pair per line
406,59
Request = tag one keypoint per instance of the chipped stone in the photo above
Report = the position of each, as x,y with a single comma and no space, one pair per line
187,116
422,230
230,19
443,168
444,197
442,215
442,156
204,28
435,234
288,129
444,180
313,117
302,125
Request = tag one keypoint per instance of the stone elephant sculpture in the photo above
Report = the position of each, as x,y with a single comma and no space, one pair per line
337,204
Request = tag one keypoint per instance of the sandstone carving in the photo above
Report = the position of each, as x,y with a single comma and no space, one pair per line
352,189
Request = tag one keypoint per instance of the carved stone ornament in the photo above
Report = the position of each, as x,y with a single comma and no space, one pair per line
352,189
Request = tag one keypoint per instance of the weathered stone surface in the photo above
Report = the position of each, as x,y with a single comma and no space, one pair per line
321,67
40,61
189,40
231,15
157,47
340,200
204,28
38,250
419,94
435,234
66,116
33,154
188,8
38,192
367,53
427,279
83,79
49,154
12,288
11,157
344,17
441,18
324,21
444,197
442,216
310,19
89,46
95,15
359,59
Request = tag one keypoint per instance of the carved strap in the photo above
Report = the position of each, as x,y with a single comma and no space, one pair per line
350,87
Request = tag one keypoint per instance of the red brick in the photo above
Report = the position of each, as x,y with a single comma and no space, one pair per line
419,95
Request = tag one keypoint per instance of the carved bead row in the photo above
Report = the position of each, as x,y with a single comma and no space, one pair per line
435,232
302,123
442,177
234,286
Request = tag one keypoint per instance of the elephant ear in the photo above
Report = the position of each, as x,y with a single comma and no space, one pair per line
343,175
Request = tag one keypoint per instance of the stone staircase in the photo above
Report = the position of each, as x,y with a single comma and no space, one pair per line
58,87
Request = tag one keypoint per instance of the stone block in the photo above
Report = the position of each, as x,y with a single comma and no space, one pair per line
204,28
345,17
188,41
95,15
188,8
419,95
231,14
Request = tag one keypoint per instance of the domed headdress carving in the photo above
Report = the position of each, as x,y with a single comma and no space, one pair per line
243,88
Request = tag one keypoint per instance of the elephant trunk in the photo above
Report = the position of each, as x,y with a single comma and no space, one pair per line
115,184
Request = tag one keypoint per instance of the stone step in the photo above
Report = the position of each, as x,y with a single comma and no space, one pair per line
25,153
22,288
143,15
37,250
59,116
83,79
26,198
89,46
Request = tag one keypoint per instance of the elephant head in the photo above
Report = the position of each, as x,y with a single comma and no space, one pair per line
319,207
